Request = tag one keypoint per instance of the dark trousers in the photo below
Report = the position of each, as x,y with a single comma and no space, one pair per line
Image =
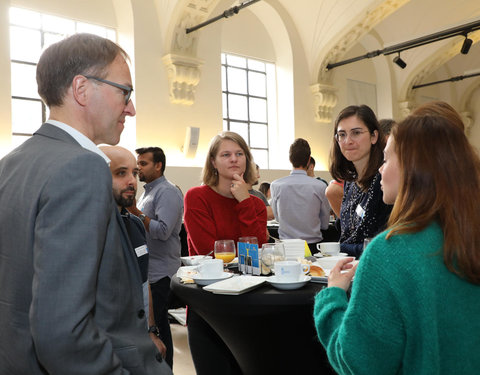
160,297
209,353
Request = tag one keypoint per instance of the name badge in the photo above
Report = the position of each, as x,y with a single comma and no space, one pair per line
141,250
360,211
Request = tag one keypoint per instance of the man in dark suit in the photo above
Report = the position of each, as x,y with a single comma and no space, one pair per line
70,288
123,166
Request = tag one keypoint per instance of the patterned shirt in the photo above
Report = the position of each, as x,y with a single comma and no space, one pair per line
363,215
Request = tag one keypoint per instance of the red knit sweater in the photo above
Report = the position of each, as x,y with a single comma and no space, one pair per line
210,216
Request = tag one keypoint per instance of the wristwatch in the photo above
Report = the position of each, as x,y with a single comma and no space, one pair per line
142,217
154,330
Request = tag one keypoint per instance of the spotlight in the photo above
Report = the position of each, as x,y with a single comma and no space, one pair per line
398,60
467,43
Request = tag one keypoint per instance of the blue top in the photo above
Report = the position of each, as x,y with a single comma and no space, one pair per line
362,215
300,206
162,202
408,314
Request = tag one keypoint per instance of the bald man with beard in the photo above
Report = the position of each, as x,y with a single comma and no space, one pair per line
123,166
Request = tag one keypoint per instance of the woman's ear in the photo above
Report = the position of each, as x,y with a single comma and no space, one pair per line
374,137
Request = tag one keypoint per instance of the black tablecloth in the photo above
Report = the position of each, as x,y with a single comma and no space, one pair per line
269,331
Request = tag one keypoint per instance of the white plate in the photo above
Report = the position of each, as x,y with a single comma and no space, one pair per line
288,285
236,285
321,255
202,281
187,271
321,279
327,263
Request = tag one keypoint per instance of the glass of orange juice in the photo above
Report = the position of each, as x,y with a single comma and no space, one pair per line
225,250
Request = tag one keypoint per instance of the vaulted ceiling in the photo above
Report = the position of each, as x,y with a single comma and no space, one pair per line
329,30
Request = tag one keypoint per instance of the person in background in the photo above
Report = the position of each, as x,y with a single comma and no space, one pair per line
440,108
123,166
417,285
311,170
221,208
386,127
160,208
71,301
299,201
355,157
260,195
334,194
265,189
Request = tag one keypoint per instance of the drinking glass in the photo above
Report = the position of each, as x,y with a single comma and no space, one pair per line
271,253
225,250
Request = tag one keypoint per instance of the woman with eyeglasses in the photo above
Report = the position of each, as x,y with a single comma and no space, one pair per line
355,157
415,303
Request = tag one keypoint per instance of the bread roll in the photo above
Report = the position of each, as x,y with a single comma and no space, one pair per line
316,271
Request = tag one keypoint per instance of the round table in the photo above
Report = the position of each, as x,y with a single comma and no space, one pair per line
268,331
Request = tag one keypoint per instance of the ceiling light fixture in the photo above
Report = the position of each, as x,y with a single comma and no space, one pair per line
467,43
461,30
398,60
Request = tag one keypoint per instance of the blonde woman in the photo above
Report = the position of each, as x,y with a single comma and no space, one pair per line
222,208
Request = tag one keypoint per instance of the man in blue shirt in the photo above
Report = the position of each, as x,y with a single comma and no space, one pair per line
298,201
161,209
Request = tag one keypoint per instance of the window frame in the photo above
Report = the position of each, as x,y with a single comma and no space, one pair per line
227,120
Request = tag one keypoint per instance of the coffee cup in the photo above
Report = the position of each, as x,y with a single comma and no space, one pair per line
290,271
329,248
210,268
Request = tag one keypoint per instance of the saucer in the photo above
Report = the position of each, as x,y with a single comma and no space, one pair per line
202,281
322,255
288,285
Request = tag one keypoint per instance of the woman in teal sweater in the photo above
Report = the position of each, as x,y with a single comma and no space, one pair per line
415,302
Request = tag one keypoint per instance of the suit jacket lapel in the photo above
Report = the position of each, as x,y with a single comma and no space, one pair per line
127,247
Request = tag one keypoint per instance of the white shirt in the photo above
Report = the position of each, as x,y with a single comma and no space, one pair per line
84,141
300,206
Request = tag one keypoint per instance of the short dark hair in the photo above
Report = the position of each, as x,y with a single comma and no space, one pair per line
264,187
158,155
299,153
79,54
386,125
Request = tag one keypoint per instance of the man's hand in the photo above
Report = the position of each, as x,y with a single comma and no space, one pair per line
159,344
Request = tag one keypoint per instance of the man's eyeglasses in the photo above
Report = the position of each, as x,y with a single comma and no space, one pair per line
341,136
127,91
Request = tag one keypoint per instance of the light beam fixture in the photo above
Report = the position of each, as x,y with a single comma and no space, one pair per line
398,60
461,30
467,43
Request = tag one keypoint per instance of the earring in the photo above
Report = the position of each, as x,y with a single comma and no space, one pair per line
215,172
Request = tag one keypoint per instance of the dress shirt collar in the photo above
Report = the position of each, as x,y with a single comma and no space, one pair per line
298,171
154,183
85,142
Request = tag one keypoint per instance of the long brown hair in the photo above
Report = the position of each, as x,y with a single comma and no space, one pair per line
343,169
440,182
